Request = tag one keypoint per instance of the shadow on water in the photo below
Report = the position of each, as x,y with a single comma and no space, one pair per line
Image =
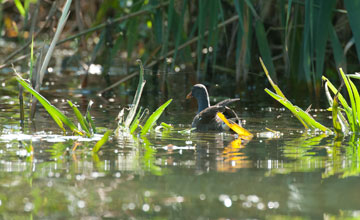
174,175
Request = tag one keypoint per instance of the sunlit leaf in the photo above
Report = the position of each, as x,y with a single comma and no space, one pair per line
154,117
83,123
55,113
304,117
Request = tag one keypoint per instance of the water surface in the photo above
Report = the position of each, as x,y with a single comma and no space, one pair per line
174,175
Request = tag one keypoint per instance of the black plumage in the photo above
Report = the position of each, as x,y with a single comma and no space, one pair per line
206,118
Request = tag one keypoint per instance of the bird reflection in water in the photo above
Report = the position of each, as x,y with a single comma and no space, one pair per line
232,158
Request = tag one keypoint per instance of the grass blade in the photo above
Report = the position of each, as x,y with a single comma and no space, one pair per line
102,141
154,117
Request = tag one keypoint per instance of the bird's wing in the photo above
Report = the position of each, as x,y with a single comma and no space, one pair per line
226,102
211,111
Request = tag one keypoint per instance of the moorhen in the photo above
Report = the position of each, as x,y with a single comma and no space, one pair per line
206,118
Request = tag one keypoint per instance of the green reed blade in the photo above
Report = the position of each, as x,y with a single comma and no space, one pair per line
83,123
179,31
264,48
157,23
353,8
31,57
62,21
338,52
102,141
304,117
154,117
250,5
167,31
288,16
322,34
55,113
307,52
202,17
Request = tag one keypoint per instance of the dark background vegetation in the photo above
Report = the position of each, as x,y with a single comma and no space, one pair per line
211,41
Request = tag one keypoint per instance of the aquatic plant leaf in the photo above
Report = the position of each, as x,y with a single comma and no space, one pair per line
102,141
347,109
154,117
134,125
335,91
83,123
167,126
137,97
135,122
55,113
304,117
242,132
